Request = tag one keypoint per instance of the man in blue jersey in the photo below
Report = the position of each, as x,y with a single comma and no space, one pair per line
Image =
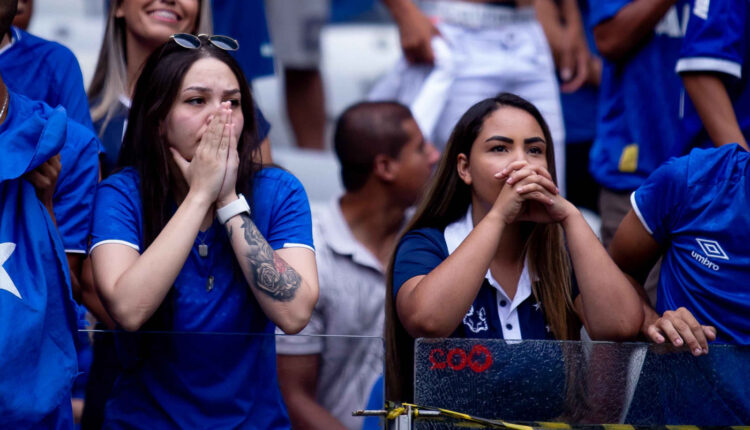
714,67
38,317
44,70
640,97
48,72
693,211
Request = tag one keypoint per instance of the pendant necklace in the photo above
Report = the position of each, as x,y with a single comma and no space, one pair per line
202,247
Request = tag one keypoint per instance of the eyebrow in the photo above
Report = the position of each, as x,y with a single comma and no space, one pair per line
208,90
530,140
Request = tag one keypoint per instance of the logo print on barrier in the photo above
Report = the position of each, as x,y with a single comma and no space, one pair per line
711,248
478,360
476,322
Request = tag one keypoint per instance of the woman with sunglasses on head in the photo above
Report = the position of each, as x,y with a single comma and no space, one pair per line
176,247
135,28
494,251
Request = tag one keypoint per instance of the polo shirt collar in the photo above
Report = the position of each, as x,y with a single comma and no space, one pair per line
456,232
340,239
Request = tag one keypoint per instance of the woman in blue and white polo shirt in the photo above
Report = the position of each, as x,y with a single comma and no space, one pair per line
494,251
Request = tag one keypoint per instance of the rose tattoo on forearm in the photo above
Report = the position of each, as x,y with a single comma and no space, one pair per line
270,273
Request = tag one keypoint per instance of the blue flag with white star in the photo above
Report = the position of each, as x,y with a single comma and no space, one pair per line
37,313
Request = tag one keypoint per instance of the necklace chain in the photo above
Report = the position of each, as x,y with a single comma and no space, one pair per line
5,103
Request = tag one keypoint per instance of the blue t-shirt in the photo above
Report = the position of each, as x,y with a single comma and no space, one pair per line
696,208
641,103
185,380
46,71
717,40
113,133
422,250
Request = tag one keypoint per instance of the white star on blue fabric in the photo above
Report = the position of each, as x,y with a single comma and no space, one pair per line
6,249
547,328
538,305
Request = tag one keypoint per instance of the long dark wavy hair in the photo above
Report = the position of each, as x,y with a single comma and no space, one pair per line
446,201
145,149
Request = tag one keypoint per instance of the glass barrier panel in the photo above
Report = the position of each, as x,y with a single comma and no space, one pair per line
583,382
222,380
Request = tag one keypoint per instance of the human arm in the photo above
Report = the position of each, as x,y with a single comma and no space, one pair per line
607,304
432,305
711,100
563,28
635,251
415,30
132,285
283,281
298,380
616,38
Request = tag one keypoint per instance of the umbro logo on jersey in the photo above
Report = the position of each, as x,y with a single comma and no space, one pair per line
712,249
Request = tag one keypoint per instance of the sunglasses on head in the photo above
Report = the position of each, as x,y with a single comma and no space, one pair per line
192,41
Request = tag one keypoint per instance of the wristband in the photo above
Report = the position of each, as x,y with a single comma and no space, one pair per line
235,208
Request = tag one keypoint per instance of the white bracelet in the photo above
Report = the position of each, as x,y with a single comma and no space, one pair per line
235,208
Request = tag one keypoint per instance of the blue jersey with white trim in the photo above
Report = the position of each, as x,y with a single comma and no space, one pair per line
46,71
717,40
191,380
641,102
696,208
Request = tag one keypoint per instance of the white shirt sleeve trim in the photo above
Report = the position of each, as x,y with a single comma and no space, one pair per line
708,64
298,245
638,214
75,251
120,242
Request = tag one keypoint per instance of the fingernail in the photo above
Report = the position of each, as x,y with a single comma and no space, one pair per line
519,189
678,341
697,351
565,74
705,350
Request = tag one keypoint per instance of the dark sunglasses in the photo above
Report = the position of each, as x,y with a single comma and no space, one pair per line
192,41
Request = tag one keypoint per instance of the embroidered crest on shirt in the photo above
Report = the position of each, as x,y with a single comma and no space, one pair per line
476,321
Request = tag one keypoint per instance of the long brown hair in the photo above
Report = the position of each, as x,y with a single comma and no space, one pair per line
446,201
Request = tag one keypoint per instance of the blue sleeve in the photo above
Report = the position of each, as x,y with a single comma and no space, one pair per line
73,201
262,124
290,222
418,253
715,39
70,92
117,214
602,10
657,201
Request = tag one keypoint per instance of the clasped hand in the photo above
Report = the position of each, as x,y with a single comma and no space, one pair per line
529,194
212,172
44,179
